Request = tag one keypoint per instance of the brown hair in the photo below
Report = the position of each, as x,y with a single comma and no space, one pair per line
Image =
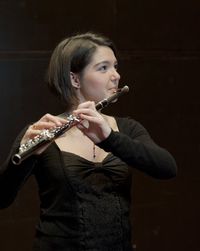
72,54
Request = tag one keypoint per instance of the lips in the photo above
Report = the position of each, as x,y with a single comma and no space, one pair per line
113,89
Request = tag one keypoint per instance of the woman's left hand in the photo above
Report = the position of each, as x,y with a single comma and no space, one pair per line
93,125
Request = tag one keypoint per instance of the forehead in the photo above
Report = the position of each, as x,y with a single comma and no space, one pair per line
103,53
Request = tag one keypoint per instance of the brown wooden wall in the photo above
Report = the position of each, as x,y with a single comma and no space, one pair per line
159,45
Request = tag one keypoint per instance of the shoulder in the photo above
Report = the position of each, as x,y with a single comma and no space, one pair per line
130,126
125,121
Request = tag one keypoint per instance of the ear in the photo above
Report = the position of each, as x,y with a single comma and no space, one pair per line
75,80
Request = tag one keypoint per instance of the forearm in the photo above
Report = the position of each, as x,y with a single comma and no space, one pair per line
143,155
12,177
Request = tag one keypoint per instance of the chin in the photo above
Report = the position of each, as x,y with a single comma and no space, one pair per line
111,92
102,96
106,95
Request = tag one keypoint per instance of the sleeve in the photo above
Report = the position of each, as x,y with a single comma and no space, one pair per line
12,177
135,147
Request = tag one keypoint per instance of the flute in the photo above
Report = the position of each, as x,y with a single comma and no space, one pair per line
49,135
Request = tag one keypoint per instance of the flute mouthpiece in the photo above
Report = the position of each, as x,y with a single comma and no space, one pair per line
125,88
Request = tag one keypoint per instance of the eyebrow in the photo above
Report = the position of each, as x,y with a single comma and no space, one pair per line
105,62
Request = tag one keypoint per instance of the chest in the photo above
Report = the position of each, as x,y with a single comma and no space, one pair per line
82,146
74,141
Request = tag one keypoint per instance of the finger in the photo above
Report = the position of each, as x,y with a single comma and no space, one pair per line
88,105
84,124
81,127
57,120
90,118
87,111
43,125
32,133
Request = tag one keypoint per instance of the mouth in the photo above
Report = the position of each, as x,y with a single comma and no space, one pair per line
113,89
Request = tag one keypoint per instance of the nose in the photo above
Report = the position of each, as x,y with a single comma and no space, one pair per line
115,75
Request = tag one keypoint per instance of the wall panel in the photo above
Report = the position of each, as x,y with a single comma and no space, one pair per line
159,49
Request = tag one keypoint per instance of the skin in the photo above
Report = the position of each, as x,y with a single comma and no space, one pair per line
99,80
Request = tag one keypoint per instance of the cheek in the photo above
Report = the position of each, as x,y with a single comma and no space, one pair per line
97,91
97,82
95,87
100,81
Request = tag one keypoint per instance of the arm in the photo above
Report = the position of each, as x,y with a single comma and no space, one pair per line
132,144
135,147
12,177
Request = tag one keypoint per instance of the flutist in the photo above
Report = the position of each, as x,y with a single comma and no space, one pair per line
84,176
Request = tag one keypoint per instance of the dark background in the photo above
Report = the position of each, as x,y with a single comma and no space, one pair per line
159,45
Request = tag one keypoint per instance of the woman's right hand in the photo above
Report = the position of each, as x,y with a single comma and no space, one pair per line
48,121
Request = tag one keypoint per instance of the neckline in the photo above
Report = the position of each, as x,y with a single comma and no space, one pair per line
82,158
117,119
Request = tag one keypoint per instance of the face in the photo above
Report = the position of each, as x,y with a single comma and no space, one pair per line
100,78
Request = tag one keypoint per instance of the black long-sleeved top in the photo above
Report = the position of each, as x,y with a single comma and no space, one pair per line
86,204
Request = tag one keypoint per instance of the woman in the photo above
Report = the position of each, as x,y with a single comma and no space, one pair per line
84,177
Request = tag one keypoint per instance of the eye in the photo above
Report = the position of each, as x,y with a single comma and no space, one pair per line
116,67
103,68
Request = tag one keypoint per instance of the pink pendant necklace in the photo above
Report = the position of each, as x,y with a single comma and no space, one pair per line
94,151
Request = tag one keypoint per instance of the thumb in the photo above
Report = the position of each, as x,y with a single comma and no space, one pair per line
83,125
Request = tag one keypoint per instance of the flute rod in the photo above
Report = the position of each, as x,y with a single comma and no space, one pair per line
47,136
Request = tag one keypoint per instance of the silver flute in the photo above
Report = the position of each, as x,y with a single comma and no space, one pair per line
47,136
